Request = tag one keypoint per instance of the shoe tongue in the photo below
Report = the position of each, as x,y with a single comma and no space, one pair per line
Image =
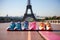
18,22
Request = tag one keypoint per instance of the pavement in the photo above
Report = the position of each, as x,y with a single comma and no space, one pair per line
17,35
20,35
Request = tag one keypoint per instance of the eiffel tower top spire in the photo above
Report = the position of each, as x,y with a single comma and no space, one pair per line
29,6
29,2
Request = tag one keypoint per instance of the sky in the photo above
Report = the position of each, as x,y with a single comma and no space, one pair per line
40,7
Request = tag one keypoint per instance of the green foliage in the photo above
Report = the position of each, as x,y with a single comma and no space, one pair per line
9,19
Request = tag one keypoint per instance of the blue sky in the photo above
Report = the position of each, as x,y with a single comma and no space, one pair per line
40,7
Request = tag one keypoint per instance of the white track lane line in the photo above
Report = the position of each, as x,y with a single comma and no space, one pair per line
29,35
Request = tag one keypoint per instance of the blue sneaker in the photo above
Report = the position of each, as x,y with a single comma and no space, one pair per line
26,25
18,26
12,26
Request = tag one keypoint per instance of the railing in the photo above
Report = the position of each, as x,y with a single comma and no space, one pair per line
53,21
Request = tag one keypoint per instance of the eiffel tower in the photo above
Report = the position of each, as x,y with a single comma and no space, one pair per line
31,14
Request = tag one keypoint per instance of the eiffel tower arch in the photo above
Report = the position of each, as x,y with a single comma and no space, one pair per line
26,15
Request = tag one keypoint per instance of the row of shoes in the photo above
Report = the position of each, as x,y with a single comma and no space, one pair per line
17,26
32,26
45,26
